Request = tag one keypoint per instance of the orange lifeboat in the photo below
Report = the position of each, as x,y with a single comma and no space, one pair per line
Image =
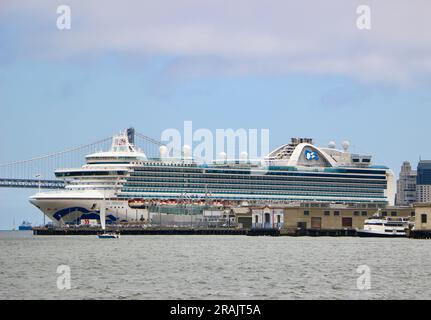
136,203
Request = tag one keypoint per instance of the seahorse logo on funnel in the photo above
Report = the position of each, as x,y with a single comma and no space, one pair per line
311,155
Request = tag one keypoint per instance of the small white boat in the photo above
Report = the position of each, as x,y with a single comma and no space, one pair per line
387,227
109,236
106,235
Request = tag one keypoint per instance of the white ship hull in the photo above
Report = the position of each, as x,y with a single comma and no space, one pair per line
69,207
378,234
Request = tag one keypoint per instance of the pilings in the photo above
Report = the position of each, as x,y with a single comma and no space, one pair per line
264,232
39,231
136,231
420,234
325,232
304,232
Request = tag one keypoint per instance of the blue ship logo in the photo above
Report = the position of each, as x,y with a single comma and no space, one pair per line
311,155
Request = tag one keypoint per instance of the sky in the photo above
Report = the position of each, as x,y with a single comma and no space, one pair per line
297,68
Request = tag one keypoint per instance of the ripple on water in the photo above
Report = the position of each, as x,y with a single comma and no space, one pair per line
213,267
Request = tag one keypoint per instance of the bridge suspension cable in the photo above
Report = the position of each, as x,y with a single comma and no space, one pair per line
151,140
55,153
45,166
152,147
42,168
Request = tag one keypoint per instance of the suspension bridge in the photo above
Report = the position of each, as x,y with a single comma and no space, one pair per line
39,172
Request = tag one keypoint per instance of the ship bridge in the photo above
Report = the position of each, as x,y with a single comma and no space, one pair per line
302,152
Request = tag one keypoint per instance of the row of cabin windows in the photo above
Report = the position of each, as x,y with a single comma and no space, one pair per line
266,174
231,176
247,185
284,184
270,170
125,195
259,191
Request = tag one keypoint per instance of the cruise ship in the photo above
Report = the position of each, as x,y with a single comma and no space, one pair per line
125,182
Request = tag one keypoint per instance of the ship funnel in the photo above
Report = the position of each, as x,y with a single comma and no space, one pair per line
131,135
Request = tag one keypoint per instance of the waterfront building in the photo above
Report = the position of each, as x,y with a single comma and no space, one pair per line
131,187
321,216
423,181
423,216
267,217
406,185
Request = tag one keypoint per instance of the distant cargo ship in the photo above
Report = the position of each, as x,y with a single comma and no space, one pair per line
25,226
126,182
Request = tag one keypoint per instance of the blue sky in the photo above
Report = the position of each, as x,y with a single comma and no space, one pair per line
297,68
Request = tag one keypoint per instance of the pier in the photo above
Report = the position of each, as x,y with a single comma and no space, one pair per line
85,231
40,231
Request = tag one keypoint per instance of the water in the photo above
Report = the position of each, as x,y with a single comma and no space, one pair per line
212,267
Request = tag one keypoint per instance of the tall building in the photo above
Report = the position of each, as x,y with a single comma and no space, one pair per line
406,185
423,181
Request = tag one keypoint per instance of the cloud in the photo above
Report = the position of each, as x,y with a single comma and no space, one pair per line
235,37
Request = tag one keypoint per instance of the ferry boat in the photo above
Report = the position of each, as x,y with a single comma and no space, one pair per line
109,235
127,183
25,226
388,227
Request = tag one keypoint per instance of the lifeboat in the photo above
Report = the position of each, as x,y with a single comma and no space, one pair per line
136,203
